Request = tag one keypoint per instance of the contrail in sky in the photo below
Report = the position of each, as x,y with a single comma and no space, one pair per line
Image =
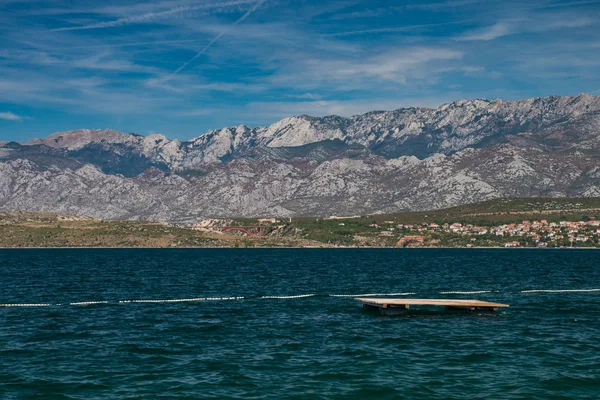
396,29
242,18
151,16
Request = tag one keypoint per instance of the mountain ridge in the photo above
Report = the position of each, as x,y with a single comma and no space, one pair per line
382,161
358,129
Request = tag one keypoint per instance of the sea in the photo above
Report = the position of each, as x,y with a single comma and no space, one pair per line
283,324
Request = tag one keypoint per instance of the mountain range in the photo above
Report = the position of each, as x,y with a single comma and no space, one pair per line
382,161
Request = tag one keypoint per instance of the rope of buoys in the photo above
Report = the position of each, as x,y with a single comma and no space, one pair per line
182,300
372,294
300,296
472,292
559,290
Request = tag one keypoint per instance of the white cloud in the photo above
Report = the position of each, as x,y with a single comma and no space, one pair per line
490,33
542,23
106,61
343,108
79,95
191,84
309,96
262,113
9,116
405,66
282,62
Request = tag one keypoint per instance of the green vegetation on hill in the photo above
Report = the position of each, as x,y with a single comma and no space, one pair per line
497,211
384,230
24,229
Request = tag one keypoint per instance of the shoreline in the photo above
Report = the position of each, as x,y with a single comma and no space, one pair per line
297,247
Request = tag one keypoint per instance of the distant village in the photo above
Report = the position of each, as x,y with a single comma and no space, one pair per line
427,234
527,233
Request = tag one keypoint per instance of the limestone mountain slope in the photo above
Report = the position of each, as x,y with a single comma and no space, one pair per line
383,161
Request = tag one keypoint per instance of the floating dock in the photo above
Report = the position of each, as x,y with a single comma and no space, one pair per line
399,306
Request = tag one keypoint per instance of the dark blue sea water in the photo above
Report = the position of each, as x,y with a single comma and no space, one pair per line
546,346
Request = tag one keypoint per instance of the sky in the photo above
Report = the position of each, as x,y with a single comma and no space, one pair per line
182,67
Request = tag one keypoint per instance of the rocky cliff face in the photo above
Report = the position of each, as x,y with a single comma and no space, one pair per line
415,158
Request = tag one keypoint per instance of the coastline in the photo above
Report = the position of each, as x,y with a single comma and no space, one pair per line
409,230
294,247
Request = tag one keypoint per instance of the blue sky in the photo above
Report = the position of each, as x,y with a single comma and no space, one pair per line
181,67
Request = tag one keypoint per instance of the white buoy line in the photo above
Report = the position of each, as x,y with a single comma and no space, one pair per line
372,294
282,297
300,296
26,305
182,300
560,290
472,292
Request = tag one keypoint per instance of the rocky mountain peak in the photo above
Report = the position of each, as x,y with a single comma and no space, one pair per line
381,161
77,139
299,131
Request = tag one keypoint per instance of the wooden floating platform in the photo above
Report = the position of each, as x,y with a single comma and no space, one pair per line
398,306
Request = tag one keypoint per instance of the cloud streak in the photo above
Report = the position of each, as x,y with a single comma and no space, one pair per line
214,40
141,65
407,66
570,4
396,29
153,16
9,116
527,25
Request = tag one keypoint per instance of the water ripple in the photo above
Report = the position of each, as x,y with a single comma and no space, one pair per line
149,323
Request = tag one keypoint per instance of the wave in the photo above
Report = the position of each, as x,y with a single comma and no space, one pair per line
560,290
288,297
26,305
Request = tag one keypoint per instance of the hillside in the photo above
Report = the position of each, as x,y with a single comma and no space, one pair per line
27,229
30,229
504,211
381,162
